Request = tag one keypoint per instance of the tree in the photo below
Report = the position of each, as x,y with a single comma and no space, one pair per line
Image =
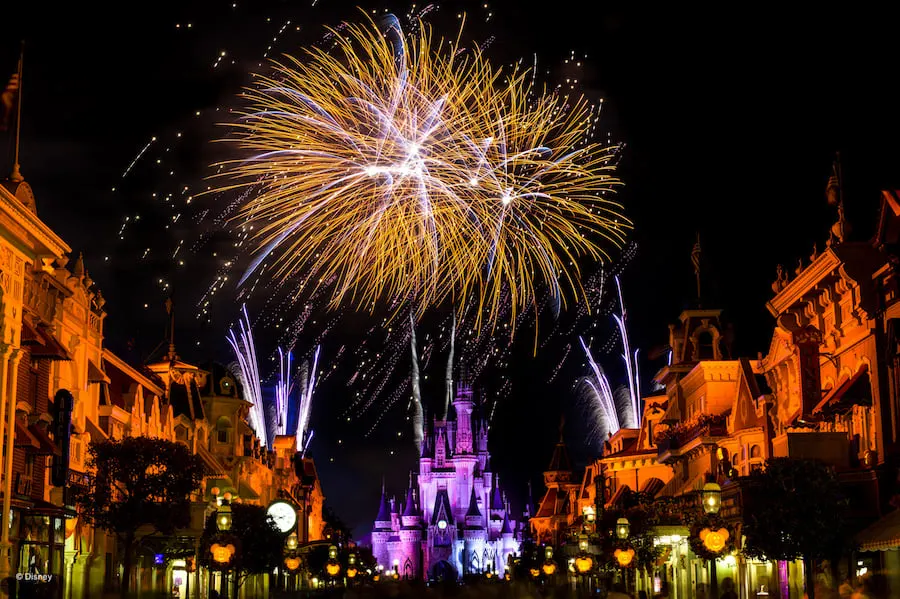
336,530
794,509
139,483
261,543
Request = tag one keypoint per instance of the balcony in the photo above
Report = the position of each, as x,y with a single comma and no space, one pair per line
679,440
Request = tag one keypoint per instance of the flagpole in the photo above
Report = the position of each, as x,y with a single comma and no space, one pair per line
16,176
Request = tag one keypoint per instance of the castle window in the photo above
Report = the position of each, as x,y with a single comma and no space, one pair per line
755,451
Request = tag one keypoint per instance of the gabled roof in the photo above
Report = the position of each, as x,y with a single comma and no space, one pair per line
473,506
560,461
442,508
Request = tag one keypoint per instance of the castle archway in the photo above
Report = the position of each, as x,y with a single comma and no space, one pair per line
443,571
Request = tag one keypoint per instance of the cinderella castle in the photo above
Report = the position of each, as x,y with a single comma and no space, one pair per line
455,519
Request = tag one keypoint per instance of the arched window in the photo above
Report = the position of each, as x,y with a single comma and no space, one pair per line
223,426
755,452
705,349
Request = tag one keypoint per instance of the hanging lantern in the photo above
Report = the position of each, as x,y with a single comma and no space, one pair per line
711,495
623,527
548,552
223,517
291,542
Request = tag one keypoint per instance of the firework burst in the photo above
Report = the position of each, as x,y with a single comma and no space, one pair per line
407,166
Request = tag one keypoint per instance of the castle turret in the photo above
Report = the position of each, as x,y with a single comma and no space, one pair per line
381,533
464,405
474,519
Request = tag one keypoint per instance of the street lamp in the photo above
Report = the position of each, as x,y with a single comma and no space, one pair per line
549,566
711,495
623,527
291,542
333,567
223,517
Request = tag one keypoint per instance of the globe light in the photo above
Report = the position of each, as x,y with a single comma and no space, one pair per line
711,495
548,552
291,542
623,527
583,545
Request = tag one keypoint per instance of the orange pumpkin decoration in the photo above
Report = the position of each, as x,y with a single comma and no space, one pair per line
549,568
714,540
292,563
583,563
624,557
535,572
222,553
333,568
351,572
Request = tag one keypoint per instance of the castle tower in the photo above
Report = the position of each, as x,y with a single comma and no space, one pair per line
464,405
381,533
410,537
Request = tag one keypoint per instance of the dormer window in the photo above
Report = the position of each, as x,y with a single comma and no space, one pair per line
705,347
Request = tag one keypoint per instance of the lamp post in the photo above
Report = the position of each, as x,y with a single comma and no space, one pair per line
333,567
711,497
623,528
549,566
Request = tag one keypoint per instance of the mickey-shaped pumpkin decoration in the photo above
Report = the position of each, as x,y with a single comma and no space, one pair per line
624,556
714,540
583,563
222,553
292,563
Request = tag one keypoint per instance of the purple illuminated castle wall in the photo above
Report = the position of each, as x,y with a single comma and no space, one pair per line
455,519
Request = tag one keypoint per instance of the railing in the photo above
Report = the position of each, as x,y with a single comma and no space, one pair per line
707,426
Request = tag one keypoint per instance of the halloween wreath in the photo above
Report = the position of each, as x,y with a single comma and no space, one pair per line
711,537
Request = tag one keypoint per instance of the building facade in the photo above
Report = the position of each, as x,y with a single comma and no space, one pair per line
61,389
455,518
825,389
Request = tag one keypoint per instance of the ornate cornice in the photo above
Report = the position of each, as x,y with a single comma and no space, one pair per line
50,242
806,280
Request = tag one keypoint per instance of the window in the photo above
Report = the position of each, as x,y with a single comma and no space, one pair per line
705,348
755,451
222,436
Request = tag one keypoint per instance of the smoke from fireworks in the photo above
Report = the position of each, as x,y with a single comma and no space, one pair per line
418,415
404,166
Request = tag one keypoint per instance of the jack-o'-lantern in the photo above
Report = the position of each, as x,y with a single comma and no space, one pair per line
333,568
222,553
714,540
549,568
352,572
624,556
292,563
583,563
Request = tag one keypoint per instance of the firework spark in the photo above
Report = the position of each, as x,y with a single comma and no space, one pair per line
405,166
303,434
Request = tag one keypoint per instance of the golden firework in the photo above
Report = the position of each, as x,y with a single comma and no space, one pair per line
404,166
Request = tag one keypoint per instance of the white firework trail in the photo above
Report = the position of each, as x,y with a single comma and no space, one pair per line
601,392
247,373
630,359
305,406
282,392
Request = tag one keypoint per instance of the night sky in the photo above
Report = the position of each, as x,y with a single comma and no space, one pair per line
731,120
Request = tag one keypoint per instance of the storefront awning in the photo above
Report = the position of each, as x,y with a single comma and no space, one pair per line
24,438
841,398
95,375
42,344
883,535
46,444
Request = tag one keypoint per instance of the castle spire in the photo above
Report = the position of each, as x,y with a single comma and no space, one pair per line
695,260
171,312
16,176
384,513
473,506
507,529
